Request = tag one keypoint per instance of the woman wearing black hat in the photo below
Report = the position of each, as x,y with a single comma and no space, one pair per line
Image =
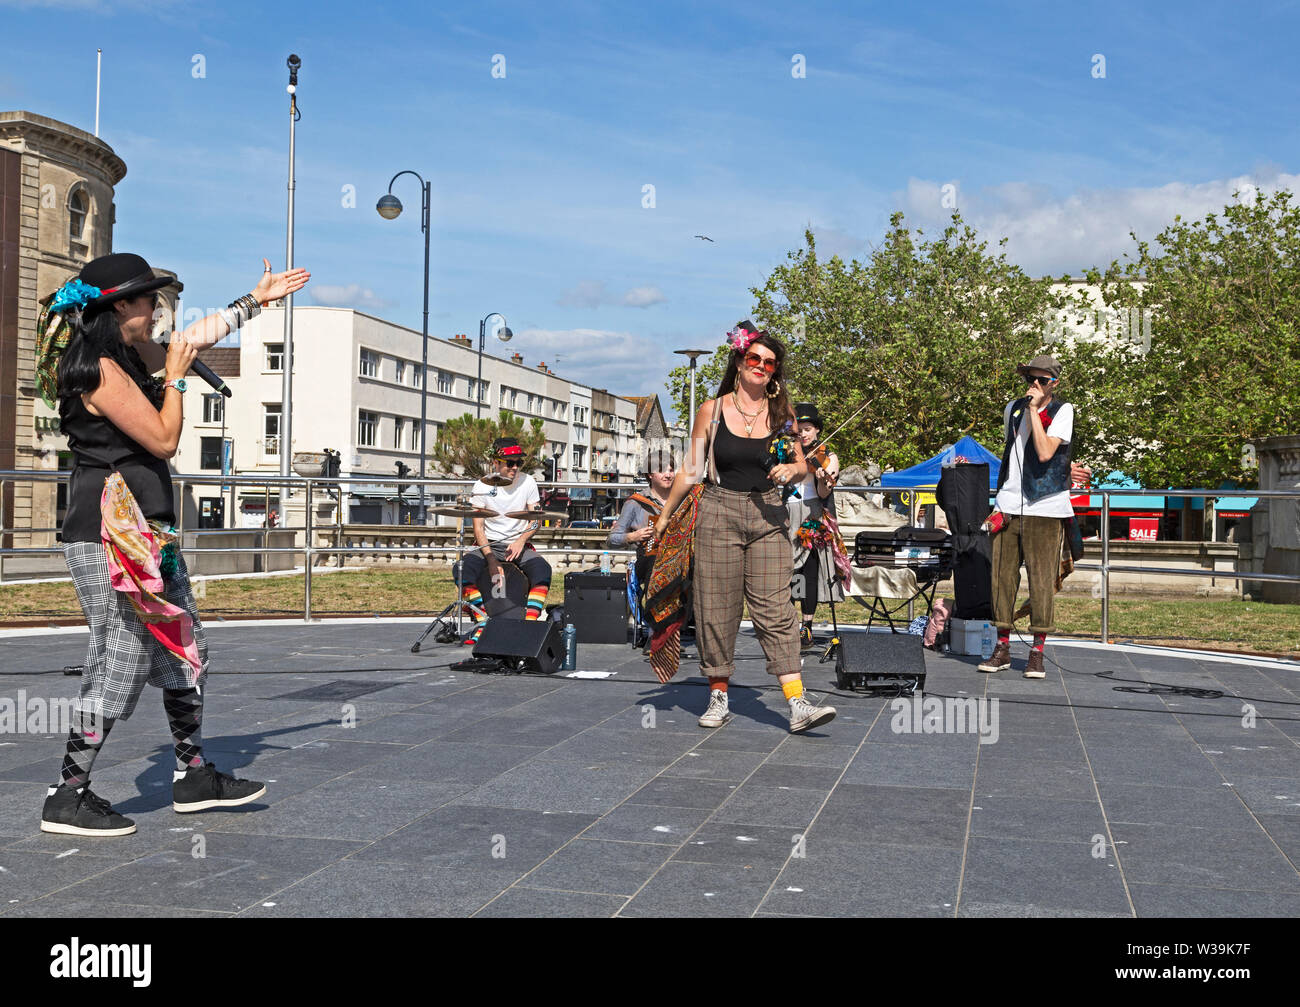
812,536
96,357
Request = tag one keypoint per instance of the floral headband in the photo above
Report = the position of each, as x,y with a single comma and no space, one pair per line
739,339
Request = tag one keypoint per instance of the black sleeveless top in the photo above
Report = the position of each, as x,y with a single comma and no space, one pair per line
98,448
740,460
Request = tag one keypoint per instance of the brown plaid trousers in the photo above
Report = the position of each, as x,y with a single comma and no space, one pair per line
742,556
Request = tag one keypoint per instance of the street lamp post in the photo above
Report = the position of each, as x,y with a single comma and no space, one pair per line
389,206
692,354
505,335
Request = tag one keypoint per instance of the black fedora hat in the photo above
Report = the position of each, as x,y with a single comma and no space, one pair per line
120,275
806,412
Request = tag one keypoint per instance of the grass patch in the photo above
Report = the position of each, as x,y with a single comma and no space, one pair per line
1182,622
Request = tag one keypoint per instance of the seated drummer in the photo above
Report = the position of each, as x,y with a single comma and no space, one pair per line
503,538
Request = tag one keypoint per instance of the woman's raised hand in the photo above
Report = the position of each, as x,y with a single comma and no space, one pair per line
273,286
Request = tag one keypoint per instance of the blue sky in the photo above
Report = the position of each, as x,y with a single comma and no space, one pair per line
538,175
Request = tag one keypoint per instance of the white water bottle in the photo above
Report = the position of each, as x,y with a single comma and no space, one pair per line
605,562
986,642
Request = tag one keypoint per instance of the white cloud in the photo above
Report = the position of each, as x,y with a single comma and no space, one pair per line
351,295
643,297
622,362
1049,235
593,294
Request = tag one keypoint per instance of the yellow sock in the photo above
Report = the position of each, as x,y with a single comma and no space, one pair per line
792,690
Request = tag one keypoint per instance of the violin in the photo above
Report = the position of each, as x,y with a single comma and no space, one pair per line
818,457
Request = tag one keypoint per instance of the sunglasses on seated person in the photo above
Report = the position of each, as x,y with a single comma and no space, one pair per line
767,363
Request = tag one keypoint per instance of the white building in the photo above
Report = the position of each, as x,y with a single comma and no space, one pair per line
356,389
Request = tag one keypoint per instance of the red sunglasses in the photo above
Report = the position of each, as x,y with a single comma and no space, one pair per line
767,363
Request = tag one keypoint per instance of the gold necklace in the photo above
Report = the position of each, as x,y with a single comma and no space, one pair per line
746,418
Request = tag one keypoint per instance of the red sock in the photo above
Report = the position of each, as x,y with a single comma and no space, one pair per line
718,685
1039,640
1004,636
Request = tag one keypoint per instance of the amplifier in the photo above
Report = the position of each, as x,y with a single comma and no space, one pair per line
522,645
870,661
596,604
907,547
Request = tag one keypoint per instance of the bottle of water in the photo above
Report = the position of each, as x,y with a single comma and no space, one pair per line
986,641
570,647
606,562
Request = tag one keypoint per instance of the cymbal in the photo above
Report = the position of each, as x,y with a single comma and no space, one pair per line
533,515
496,479
463,510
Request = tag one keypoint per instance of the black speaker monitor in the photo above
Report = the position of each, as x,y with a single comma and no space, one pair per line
538,645
880,661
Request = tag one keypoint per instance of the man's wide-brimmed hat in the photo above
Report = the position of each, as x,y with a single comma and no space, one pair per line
119,276
1042,363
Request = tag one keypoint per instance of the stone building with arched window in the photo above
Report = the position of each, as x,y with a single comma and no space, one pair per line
56,214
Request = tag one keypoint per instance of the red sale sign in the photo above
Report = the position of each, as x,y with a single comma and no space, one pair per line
1143,529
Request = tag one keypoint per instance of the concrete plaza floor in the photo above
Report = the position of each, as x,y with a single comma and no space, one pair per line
1130,782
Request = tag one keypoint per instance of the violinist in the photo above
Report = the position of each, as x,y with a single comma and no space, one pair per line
814,536
635,525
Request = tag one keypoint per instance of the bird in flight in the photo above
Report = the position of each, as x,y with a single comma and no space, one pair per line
704,238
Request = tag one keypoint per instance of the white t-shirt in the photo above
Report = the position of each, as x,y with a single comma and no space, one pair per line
1009,500
519,495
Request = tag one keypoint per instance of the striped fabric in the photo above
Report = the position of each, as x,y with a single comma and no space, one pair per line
743,556
536,601
121,655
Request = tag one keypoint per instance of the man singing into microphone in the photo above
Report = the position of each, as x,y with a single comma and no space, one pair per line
1034,497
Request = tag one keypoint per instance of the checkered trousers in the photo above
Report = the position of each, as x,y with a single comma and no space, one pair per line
122,655
742,557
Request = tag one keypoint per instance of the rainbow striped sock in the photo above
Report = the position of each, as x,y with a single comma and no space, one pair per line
536,601
471,595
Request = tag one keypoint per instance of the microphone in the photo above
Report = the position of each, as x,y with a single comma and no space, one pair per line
198,367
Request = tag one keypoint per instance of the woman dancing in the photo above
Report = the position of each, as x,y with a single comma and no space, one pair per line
741,538
95,355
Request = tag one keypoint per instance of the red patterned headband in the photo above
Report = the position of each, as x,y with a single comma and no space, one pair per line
741,338
510,451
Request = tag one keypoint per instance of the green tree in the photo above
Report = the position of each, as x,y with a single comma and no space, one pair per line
464,445
1224,361
928,331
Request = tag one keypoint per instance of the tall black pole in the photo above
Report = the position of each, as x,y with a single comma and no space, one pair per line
478,389
286,387
427,199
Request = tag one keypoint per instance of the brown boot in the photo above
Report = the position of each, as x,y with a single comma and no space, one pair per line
1000,660
1034,666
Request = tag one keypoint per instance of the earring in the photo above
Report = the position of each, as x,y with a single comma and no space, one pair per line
776,390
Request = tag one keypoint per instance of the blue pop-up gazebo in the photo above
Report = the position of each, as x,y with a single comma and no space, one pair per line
926,474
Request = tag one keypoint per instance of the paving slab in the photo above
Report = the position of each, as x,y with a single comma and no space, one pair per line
397,787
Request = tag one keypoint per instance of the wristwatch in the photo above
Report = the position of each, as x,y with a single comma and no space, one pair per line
178,383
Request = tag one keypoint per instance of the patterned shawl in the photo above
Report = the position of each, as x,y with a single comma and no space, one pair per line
669,589
139,553
52,336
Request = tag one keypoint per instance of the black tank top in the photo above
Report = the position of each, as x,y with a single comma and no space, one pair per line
98,448
740,460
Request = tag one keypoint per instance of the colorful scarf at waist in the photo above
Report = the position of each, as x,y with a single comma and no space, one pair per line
824,532
668,591
140,554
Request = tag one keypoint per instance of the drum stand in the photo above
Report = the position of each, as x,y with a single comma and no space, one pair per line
447,634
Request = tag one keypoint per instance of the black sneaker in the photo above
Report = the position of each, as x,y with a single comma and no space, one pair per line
200,789
81,813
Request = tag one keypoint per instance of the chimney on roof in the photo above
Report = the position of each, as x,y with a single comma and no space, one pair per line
518,358
461,338
542,366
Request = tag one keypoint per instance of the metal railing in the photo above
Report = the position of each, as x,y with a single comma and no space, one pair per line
309,550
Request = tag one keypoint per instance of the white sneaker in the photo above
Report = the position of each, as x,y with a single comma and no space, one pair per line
717,714
804,715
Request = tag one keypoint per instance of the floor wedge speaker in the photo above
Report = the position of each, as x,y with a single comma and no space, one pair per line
894,661
525,645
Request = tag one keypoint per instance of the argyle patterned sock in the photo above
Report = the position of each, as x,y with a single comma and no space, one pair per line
84,742
1039,640
537,600
185,715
